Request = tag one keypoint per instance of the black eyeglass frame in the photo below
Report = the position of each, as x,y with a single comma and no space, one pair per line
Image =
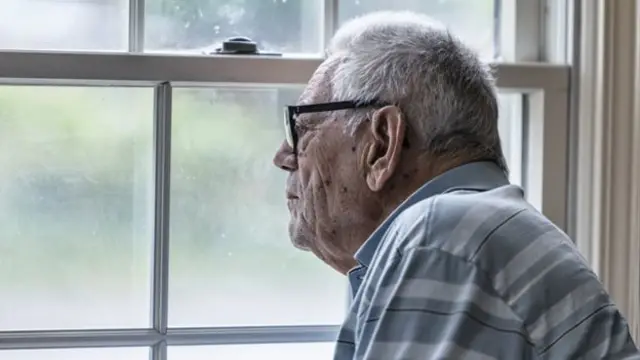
292,111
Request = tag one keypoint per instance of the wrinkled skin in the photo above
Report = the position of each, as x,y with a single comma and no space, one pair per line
341,186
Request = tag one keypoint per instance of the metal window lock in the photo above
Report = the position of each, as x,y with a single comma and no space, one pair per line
241,45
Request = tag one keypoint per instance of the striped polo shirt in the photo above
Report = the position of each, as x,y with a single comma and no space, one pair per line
467,269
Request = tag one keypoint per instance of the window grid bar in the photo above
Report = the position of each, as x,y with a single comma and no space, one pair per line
78,338
331,20
158,351
252,335
497,29
526,146
55,339
162,154
136,26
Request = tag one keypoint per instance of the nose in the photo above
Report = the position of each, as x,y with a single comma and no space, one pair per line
285,159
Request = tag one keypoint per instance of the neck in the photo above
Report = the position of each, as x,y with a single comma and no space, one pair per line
413,173
408,179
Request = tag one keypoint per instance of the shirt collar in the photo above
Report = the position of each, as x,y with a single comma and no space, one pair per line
480,176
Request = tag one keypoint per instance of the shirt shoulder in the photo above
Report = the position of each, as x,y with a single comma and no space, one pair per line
526,261
457,221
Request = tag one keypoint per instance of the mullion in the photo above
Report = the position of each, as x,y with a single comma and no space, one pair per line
158,351
245,335
73,339
136,26
68,339
162,157
331,19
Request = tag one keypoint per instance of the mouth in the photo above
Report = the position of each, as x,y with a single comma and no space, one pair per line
291,196
291,201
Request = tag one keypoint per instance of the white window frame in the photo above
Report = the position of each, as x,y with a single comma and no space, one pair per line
544,174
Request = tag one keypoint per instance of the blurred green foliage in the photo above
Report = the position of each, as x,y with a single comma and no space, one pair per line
76,188
77,179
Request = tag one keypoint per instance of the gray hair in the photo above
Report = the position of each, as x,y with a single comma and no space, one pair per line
446,93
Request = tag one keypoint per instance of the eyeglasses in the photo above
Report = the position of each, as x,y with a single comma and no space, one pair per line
292,112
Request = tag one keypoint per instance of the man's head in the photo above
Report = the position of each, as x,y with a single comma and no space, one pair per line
422,104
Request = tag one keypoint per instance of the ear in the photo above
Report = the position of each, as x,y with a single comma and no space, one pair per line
383,153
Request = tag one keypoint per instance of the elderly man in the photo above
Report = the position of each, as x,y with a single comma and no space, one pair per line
397,179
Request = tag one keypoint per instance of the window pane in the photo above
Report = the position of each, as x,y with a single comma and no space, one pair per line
77,354
75,206
473,21
201,25
64,24
231,259
511,135
307,351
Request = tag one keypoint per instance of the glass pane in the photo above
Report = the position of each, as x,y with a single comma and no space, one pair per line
64,24
201,25
231,259
473,21
511,135
77,354
307,351
76,196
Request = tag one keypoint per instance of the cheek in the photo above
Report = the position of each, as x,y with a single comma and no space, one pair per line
317,181
328,173
331,187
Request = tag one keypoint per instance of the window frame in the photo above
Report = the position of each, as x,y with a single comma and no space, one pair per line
546,94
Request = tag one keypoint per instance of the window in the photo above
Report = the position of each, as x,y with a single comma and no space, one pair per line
78,354
510,128
141,216
309,351
200,25
64,24
475,22
76,199
227,269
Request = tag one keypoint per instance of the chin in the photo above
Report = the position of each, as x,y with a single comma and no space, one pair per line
298,240
300,246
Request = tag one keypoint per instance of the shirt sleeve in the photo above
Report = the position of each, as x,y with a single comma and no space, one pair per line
429,304
601,334
571,316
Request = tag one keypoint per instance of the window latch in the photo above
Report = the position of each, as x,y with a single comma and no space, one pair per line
241,46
